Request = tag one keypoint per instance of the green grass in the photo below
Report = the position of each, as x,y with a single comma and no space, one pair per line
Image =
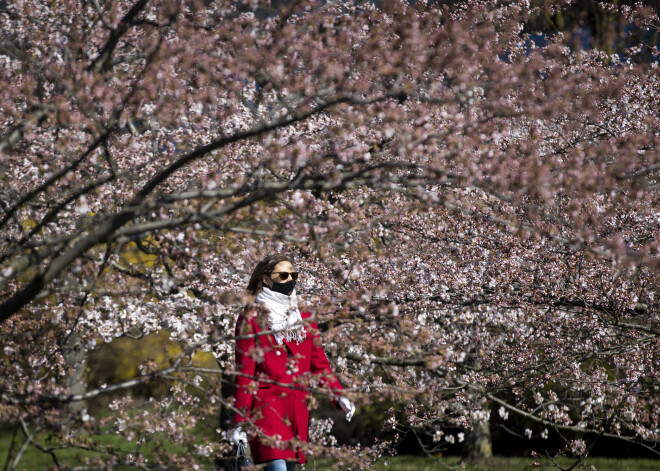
410,463
33,459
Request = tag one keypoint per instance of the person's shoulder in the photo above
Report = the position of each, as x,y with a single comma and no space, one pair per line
248,313
253,313
311,324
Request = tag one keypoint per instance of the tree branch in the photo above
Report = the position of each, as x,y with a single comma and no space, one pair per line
637,441
105,230
105,54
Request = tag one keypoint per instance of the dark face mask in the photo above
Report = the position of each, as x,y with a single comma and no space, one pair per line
284,288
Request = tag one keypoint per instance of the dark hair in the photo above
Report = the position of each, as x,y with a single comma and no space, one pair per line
267,264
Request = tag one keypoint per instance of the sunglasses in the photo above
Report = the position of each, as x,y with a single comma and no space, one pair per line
283,275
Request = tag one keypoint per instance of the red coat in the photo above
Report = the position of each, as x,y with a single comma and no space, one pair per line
276,409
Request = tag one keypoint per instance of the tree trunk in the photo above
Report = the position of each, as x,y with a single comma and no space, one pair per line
75,356
478,445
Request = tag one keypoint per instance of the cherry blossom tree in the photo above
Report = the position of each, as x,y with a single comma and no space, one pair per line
475,214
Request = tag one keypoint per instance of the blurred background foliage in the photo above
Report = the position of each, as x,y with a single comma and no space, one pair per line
121,360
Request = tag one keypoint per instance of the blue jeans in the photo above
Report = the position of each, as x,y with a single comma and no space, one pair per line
280,465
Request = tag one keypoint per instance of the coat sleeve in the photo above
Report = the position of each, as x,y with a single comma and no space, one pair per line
245,365
320,365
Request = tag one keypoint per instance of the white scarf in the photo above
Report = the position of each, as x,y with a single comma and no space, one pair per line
283,315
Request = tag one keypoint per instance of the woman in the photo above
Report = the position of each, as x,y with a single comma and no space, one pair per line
275,354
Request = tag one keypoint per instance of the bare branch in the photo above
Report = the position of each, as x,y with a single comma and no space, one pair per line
105,53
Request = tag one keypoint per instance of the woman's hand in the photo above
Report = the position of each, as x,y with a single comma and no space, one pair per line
348,407
238,435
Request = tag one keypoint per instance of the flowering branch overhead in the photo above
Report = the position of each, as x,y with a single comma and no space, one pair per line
472,209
